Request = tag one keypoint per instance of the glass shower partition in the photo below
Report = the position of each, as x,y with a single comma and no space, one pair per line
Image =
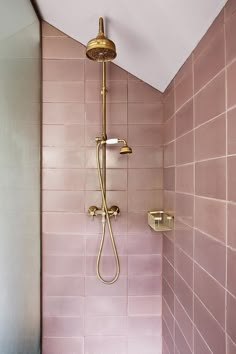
20,97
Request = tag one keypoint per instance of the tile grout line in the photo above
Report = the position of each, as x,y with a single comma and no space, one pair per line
226,173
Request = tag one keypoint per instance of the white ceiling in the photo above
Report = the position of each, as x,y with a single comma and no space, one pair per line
153,37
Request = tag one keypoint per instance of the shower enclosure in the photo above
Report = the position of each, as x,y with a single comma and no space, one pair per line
20,86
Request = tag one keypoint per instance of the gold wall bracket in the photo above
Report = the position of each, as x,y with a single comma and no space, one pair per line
160,221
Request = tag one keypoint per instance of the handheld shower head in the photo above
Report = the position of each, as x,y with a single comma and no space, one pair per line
101,48
125,149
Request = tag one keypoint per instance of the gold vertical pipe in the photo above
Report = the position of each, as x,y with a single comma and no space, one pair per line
104,122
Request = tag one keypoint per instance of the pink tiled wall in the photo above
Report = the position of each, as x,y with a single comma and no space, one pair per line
199,262
80,314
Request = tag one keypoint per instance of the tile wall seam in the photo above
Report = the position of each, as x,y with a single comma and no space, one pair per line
174,93
200,334
226,173
184,336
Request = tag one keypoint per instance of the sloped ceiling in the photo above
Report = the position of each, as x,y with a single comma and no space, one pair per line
153,37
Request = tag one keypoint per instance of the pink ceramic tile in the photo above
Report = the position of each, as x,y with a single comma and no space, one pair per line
148,113
116,179
116,113
63,70
63,113
62,48
63,286
144,285
231,266
210,139
231,346
50,31
167,338
140,179
113,131
230,30
144,325
94,287
55,91
63,327
93,242
184,208
168,295
184,179
210,217
64,179
64,223
137,224
200,346
144,305
107,265
210,35
169,178
184,323
169,201
210,62
144,244
169,105
231,225
184,149
168,249
168,317
211,293
141,92
145,134
210,102
180,341
169,155
231,316
184,83
114,158
59,244
209,328
63,345
184,295
63,136
144,344
169,130
105,306
168,272
231,89
144,265
116,91
210,178
106,326
231,131
109,344
94,71
184,266
211,256
113,198
184,237
64,265
230,8
66,201
63,306
184,119
144,200
231,178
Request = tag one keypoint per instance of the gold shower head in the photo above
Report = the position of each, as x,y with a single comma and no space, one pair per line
126,149
101,48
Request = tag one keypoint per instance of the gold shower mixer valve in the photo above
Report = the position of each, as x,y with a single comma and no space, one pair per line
112,211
